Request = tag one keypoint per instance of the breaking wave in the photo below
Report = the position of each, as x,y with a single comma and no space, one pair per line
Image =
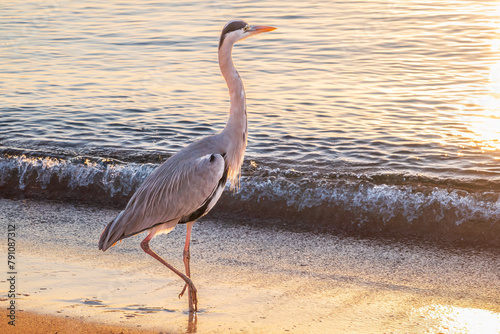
454,210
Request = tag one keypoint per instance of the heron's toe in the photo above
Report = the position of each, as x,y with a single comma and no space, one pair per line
183,290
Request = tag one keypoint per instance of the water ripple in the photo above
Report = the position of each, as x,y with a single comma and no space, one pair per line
369,85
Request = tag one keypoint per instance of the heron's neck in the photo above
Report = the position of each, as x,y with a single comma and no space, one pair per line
234,134
237,113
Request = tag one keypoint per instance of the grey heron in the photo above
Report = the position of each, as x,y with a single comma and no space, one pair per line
187,185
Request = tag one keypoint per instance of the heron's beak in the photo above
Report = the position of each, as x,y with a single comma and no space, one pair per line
260,29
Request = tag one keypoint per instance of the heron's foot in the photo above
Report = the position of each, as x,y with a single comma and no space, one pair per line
183,290
193,299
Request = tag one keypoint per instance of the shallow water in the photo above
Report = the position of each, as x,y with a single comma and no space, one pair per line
386,90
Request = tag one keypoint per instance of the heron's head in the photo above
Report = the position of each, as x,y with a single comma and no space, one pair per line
237,30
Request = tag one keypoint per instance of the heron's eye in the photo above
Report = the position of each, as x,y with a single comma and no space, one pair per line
246,28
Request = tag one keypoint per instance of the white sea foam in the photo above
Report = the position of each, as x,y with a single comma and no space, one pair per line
345,200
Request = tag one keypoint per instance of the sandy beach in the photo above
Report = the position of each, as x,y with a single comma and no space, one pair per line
250,280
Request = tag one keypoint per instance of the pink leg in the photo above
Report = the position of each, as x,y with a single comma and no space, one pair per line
193,301
186,255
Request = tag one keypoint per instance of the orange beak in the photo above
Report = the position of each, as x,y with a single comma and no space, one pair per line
261,29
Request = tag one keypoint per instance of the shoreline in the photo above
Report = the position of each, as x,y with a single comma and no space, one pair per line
378,205
248,279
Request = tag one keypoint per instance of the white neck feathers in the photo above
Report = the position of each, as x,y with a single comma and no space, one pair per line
236,128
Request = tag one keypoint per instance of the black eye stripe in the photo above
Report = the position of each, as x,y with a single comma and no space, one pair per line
235,25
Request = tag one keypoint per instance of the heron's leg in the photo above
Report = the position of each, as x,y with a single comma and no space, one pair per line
186,255
193,301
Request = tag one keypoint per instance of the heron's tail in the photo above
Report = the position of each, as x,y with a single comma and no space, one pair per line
104,243
117,229
111,234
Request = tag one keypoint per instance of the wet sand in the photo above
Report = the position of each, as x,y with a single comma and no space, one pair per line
249,279
42,323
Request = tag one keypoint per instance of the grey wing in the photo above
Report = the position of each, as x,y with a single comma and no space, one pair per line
177,190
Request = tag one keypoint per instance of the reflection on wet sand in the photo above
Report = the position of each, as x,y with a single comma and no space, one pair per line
251,280
192,323
455,319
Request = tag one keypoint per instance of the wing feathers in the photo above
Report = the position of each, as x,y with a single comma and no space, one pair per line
174,190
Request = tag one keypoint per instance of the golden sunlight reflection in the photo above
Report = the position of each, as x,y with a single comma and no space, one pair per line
453,319
497,21
484,124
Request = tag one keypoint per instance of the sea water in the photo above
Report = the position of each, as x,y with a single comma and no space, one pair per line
362,115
